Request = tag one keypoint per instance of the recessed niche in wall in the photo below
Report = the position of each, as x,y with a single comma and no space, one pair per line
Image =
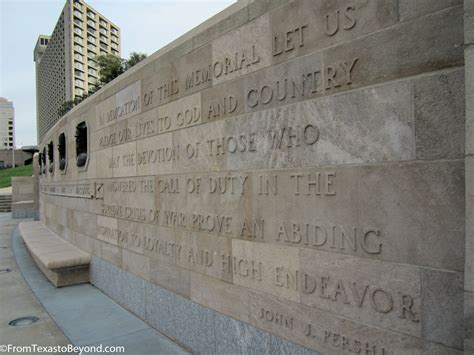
62,152
51,157
44,161
81,144
40,163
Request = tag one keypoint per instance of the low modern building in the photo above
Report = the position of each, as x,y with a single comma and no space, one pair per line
19,157
7,124
65,68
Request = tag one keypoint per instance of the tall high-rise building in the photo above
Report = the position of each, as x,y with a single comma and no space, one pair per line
7,124
65,68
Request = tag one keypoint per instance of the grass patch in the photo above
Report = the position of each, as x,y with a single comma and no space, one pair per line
6,174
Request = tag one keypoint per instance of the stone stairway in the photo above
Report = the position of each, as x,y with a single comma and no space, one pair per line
5,203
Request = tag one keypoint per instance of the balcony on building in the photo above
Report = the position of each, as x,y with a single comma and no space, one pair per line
79,66
77,31
78,73
78,14
91,30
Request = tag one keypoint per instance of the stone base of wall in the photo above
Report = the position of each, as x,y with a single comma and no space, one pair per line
28,212
194,326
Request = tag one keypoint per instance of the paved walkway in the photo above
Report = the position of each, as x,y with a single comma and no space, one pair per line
17,300
80,315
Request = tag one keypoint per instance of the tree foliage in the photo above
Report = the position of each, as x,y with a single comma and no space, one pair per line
135,58
109,67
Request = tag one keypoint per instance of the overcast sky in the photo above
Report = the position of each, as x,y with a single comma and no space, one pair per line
146,26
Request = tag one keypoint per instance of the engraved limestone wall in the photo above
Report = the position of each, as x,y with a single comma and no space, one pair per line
289,173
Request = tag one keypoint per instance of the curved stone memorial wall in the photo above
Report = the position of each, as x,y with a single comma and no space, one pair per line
288,176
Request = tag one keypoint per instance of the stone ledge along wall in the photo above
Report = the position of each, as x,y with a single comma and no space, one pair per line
286,173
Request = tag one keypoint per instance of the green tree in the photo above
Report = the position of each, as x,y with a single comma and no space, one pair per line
135,58
109,67
65,108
